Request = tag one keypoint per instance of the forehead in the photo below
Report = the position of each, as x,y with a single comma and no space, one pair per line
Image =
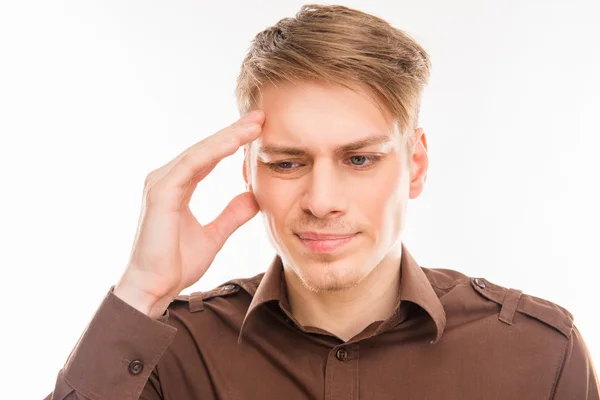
320,116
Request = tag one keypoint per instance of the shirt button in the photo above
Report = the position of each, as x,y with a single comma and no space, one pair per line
135,367
341,354
479,283
228,287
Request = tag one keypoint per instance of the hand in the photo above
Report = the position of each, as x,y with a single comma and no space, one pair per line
172,250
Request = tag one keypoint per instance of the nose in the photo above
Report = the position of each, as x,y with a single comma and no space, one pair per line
324,196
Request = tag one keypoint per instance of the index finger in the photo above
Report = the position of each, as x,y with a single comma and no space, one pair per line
213,149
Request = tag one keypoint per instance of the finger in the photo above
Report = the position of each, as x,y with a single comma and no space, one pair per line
256,116
216,147
187,194
175,188
253,116
240,210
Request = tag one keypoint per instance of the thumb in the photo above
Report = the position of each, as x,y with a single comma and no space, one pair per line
241,209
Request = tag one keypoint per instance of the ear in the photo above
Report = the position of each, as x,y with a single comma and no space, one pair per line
419,164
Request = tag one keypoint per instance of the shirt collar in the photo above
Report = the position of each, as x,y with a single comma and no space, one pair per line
414,287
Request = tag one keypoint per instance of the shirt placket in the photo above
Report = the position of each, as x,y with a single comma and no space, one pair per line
341,372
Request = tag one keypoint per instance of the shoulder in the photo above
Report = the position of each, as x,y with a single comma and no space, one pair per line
514,300
510,301
229,291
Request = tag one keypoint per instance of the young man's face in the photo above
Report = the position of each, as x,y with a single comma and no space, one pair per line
332,179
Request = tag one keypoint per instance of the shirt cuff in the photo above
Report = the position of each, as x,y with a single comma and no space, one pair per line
117,351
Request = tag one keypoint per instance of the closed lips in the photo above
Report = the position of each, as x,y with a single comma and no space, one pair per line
323,236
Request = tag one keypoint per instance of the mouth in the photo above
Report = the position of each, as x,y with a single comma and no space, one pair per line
324,243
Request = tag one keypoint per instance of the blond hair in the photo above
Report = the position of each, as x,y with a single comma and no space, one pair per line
343,46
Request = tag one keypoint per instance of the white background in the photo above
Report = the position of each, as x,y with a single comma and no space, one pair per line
94,95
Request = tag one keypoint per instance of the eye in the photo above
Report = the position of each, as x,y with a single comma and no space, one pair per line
358,160
363,161
283,165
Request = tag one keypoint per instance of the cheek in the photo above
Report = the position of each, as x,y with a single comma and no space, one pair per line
275,197
383,205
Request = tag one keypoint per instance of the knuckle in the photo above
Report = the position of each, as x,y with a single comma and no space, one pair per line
151,194
150,179
251,126
152,188
230,143
186,161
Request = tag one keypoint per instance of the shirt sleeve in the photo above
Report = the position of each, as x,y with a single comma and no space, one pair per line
578,378
116,356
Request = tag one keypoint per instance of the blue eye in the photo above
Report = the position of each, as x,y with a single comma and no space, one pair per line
363,161
358,160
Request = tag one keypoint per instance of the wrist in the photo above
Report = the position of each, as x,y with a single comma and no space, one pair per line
141,301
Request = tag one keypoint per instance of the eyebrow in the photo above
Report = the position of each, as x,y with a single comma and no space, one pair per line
300,151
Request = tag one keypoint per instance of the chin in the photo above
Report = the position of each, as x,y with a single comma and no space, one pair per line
319,273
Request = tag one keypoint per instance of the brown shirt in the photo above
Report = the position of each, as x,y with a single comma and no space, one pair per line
451,337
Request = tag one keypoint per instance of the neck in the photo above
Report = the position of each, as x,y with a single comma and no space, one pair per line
346,313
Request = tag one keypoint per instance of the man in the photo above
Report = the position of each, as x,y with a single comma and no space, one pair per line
333,153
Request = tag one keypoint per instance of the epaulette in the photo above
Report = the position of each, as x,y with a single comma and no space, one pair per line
196,300
512,300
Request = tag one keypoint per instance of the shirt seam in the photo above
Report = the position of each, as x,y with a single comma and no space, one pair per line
448,288
560,368
84,391
156,359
